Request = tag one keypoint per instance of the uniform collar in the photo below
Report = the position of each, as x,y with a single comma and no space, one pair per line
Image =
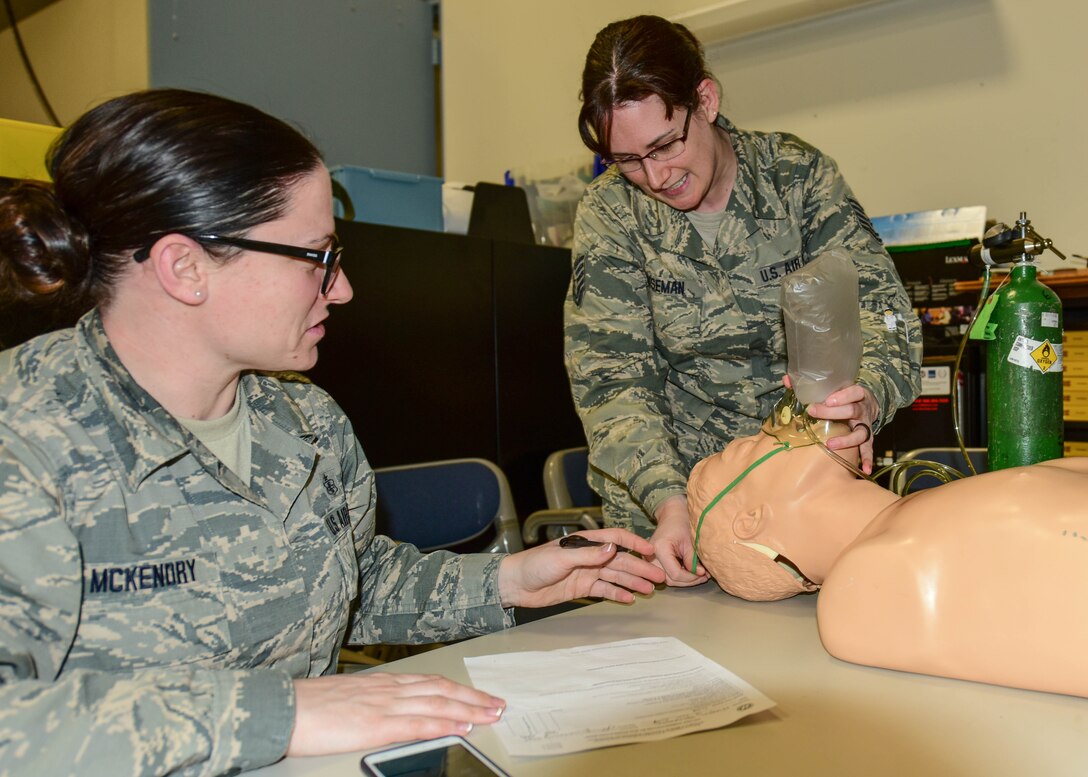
142,434
748,210
747,201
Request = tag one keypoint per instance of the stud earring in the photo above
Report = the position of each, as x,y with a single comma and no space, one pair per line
198,293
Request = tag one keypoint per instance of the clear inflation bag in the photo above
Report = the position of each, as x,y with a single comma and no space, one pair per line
821,315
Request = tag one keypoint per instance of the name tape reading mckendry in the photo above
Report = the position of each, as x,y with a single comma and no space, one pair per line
141,577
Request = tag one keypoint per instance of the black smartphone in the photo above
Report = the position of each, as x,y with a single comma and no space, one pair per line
445,757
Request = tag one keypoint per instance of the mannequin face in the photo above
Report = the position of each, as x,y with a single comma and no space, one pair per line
775,534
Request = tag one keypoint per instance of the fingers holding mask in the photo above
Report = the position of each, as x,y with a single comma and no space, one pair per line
855,406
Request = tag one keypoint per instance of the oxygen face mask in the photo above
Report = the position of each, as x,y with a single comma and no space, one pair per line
789,422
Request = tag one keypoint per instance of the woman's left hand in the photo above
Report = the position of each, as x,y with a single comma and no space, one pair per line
855,406
550,574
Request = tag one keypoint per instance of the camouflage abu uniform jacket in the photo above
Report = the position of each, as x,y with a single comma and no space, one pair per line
154,608
674,347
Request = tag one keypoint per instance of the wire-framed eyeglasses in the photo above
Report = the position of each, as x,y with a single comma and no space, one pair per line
328,258
662,153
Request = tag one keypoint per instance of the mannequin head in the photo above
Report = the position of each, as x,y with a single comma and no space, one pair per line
777,531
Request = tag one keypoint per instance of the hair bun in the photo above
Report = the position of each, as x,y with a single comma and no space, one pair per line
44,254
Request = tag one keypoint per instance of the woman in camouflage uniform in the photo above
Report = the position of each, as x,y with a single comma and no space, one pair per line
186,538
674,335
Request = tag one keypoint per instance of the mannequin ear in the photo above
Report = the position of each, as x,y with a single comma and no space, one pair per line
180,266
749,523
710,98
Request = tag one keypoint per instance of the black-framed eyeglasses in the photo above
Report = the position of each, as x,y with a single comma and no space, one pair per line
662,153
328,258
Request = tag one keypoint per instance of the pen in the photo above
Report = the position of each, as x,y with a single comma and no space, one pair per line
578,541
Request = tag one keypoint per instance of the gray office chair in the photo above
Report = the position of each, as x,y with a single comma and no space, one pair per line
910,474
572,505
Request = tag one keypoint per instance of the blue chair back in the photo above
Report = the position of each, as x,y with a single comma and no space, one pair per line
565,480
575,470
446,503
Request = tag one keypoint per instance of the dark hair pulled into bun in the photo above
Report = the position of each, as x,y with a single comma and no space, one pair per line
134,169
44,254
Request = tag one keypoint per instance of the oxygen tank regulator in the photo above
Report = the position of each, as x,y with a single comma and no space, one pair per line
1022,324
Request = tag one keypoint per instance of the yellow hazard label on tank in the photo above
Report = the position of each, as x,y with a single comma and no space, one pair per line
1041,355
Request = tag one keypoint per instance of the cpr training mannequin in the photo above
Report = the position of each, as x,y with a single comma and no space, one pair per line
980,579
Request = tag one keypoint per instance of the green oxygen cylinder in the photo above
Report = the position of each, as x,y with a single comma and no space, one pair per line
1024,372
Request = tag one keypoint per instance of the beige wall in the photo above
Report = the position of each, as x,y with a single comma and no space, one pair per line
83,51
511,72
924,103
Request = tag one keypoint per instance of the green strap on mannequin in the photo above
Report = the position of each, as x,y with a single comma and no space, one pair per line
782,446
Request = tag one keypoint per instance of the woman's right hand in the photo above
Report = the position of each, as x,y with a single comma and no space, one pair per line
345,712
673,545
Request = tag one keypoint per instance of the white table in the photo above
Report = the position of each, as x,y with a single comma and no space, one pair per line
832,718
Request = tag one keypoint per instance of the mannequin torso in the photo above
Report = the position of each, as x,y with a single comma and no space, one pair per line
978,579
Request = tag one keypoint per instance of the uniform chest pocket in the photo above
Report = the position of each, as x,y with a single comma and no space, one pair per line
152,612
705,321
333,567
343,541
676,305
776,259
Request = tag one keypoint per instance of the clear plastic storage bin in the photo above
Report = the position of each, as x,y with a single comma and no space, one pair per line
554,190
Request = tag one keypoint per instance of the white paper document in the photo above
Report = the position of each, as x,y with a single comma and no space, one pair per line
636,690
